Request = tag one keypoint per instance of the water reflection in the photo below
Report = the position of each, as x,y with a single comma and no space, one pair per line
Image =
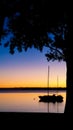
29,102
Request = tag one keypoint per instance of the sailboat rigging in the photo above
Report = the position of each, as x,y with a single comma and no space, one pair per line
51,98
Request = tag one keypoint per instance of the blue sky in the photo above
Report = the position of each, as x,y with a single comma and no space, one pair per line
29,69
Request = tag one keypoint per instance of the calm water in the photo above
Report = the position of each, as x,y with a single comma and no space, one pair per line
28,101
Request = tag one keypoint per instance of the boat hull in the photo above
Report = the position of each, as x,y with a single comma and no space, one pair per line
51,98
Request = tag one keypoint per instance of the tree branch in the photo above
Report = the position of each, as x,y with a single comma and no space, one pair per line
56,50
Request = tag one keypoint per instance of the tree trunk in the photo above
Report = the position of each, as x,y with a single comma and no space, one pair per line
69,74
69,93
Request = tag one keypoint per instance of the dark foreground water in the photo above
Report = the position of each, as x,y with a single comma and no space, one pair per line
28,101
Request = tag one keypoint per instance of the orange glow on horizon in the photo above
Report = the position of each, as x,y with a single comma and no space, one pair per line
31,78
34,84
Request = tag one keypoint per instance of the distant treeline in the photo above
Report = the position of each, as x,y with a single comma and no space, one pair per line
31,88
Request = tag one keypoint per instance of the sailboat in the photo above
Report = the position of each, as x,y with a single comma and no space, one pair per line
51,98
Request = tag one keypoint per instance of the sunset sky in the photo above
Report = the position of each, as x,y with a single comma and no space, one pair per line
29,69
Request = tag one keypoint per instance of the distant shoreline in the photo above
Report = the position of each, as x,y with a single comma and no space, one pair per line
31,89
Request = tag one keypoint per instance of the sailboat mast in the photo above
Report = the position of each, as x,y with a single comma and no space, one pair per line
48,87
48,80
57,91
57,82
48,76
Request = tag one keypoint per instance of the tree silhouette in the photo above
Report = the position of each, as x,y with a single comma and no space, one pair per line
31,22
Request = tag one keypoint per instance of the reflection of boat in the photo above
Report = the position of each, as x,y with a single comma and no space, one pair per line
51,98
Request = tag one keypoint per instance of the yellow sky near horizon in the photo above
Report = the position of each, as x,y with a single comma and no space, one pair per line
34,77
